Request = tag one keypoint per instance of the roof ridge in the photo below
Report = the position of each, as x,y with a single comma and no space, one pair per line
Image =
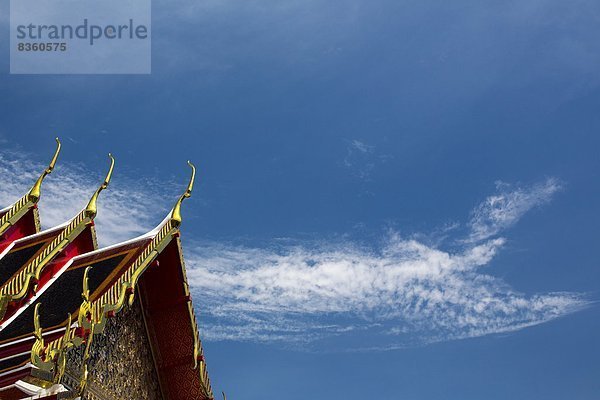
20,284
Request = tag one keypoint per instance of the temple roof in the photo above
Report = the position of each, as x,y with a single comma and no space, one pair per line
26,280
58,291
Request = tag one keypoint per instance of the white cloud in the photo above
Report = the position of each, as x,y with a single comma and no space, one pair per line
505,208
404,293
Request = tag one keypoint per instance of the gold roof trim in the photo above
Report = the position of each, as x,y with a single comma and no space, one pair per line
30,199
93,315
199,360
17,287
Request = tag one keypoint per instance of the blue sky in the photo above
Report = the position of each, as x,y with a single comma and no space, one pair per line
395,199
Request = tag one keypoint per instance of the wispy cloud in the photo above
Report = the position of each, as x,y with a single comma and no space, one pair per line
329,293
361,158
403,293
361,146
126,209
507,206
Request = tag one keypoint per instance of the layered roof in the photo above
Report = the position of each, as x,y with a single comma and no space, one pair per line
31,277
61,297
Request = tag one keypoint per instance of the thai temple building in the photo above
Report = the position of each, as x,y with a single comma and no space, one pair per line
82,322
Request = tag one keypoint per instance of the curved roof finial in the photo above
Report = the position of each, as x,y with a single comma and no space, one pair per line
86,288
176,213
91,210
37,328
34,193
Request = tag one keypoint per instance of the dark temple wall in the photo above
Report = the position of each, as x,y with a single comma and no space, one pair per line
121,365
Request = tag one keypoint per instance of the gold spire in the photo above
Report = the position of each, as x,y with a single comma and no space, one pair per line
176,213
21,207
91,210
34,193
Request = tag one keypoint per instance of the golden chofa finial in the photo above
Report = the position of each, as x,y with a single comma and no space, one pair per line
176,213
86,288
34,193
91,210
37,328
